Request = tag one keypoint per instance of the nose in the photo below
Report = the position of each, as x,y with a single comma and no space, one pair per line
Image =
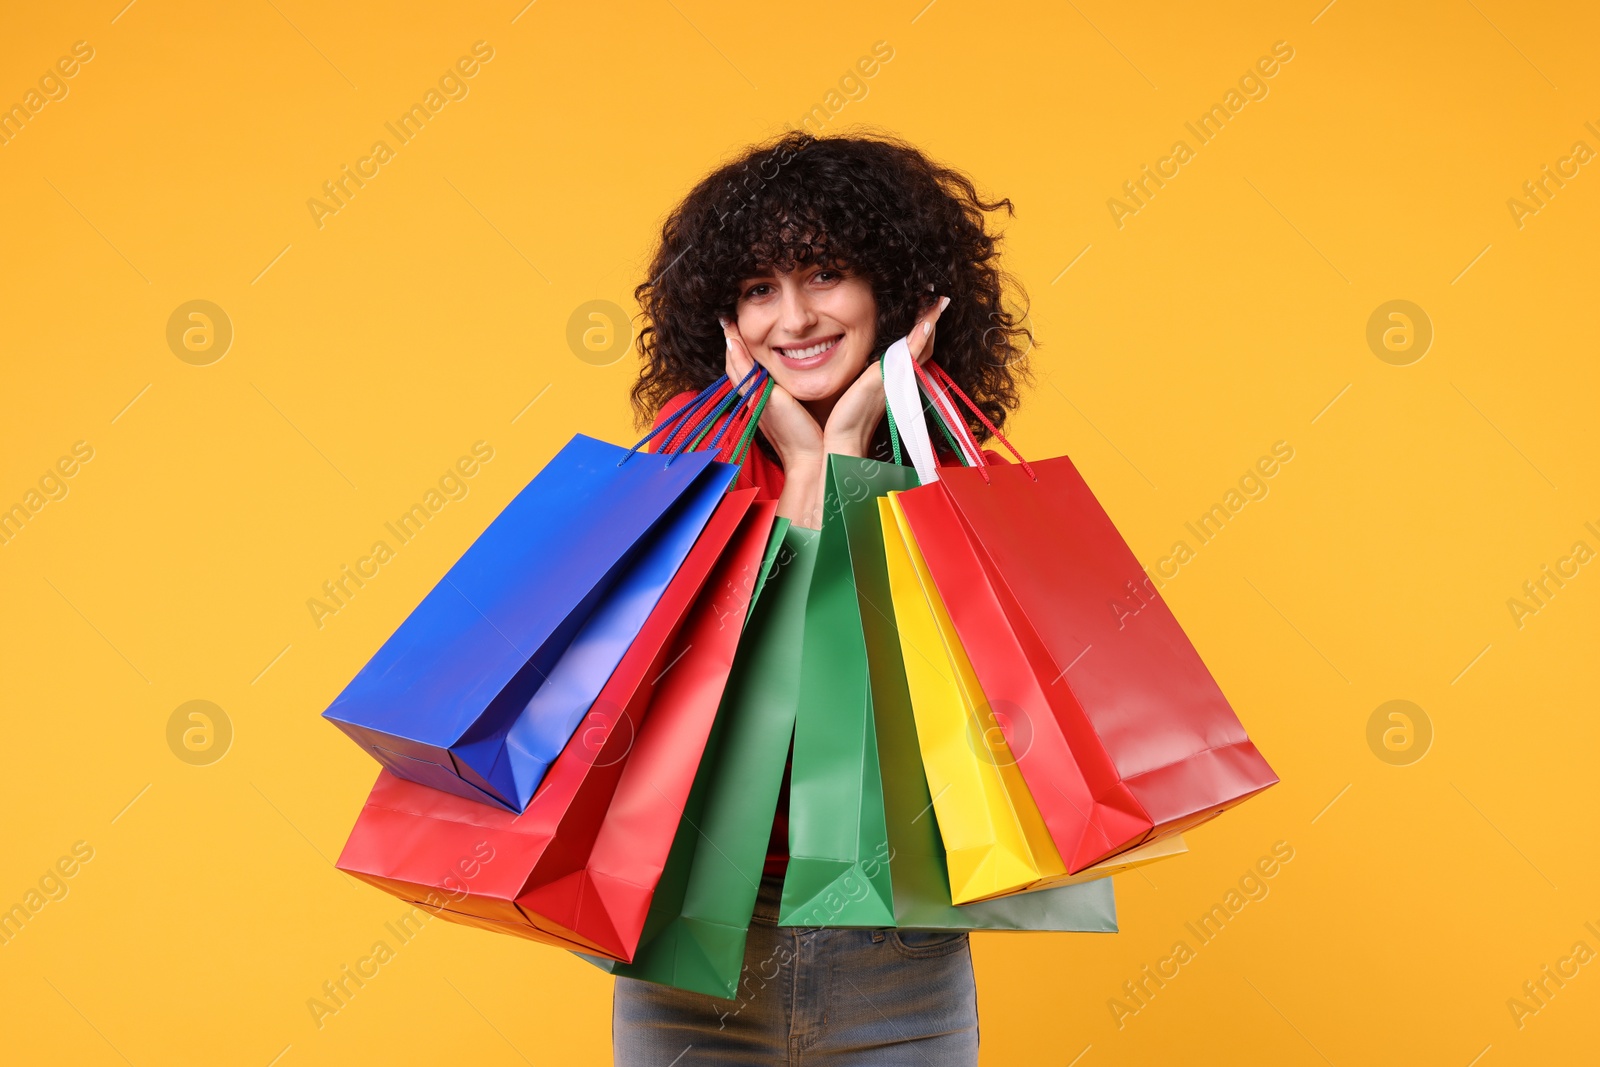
795,314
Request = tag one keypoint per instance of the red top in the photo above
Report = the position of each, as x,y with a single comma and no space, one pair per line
764,474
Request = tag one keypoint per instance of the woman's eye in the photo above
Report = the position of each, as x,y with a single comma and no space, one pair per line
756,290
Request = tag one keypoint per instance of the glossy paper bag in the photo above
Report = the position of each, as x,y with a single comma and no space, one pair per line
864,826
695,936
995,840
439,699
578,867
837,835
910,856
1119,729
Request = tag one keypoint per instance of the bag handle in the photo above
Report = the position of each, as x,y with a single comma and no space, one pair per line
940,374
690,424
958,447
906,398
900,395
746,418
907,416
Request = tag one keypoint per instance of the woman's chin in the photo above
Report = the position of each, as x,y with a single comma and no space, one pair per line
824,383
807,392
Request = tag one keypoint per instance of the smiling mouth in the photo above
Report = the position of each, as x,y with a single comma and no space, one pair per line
810,354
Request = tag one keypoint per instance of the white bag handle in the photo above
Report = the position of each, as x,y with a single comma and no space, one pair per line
910,420
905,408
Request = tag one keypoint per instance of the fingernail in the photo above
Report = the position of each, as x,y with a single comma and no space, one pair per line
944,302
728,342
927,328
723,320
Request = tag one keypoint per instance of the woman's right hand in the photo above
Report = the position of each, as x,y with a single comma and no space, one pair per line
785,423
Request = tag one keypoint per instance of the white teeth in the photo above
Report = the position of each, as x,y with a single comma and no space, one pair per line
807,353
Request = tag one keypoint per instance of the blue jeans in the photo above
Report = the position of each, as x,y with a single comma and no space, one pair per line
821,998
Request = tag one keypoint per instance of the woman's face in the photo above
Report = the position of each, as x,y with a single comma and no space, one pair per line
812,328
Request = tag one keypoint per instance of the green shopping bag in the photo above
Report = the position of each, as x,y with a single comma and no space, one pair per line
838,839
863,840
694,935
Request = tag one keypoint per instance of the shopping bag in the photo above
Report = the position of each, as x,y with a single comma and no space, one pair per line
482,685
1119,730
864,847
657,777
836,819
578,866
994,838
441,698
695,935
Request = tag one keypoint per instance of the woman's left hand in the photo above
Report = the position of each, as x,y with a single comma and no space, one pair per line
856,415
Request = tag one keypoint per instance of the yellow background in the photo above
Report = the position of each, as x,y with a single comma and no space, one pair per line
1228,314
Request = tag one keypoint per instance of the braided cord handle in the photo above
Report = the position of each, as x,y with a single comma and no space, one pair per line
689,425
942,374
940,379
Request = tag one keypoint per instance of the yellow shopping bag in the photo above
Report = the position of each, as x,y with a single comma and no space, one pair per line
995,840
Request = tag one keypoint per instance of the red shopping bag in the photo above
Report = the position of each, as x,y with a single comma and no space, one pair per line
579,866
1120,731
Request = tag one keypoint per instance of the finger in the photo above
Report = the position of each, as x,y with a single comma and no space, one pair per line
920,342
737,362
730,363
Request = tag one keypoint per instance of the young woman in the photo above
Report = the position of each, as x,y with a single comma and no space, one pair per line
811,256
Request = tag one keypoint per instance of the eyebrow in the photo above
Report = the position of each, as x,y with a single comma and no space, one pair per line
832,262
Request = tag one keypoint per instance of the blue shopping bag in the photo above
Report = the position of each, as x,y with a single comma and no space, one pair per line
484,683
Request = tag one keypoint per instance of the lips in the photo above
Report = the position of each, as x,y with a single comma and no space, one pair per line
802,357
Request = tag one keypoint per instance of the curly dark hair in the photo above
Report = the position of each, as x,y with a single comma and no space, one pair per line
870,203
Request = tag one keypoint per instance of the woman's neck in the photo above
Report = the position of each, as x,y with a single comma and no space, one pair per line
820,409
